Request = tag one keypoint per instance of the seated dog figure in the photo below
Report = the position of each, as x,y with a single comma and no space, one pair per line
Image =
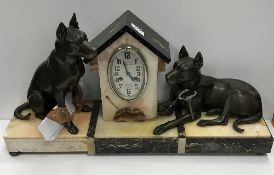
59,74
223,97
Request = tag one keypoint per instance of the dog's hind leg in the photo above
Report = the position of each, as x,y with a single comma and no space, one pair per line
222,119
40,104
253,116
248,120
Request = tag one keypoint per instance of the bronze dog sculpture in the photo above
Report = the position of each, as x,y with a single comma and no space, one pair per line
59,74
223,97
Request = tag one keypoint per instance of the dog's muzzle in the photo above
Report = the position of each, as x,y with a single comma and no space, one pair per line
92,52
171,77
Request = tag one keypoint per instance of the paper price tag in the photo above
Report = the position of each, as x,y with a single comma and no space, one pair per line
50,129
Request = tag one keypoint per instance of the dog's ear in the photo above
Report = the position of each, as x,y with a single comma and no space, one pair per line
61,32
198,60
183,52
73,21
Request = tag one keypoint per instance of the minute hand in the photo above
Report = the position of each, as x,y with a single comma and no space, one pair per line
127,72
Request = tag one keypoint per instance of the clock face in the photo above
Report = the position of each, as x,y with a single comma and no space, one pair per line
127,73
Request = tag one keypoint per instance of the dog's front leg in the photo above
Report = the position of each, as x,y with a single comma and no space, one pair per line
170,124
181,117
60,99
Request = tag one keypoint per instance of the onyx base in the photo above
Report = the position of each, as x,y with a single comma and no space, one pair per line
100,137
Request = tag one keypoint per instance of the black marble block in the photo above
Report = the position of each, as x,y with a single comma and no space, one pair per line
256,139
112,137
136,145
229,145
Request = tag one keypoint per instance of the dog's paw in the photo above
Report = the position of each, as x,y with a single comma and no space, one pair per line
158,130
71,128
86,108
202,123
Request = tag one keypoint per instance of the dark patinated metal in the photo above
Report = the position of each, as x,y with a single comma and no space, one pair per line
223,97
59,74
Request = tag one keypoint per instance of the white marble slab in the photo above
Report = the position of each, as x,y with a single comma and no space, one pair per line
255,130
24,136
112,129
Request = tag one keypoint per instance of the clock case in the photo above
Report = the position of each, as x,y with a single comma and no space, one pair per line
128,29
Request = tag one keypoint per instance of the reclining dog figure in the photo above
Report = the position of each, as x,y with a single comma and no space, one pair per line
223,97
59,74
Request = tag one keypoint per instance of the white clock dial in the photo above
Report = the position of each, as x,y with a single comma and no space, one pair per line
127,73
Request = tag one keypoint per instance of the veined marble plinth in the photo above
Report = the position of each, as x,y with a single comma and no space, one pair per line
24,136
256,139
98,136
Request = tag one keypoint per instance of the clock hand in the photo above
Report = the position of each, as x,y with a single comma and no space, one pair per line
127,72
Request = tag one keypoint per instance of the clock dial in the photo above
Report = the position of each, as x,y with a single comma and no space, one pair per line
127,73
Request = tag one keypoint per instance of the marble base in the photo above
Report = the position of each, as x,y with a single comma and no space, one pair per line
256,138
134,137
98,136
23,136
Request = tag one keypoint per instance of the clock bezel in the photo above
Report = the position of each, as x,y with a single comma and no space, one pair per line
110,77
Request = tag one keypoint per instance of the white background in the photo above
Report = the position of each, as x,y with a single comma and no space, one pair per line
236,38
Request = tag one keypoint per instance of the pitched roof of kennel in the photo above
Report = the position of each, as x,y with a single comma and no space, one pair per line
130,23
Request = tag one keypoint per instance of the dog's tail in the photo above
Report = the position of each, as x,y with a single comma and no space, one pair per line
248,120
19,109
